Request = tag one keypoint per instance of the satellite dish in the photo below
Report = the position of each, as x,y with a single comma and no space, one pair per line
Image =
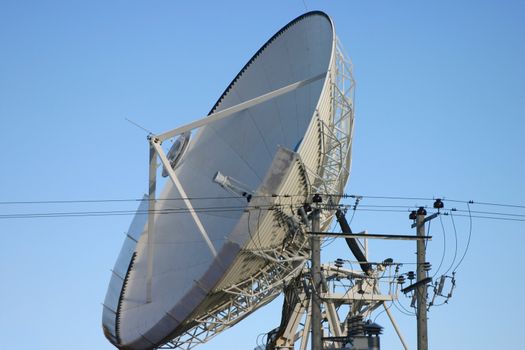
224,234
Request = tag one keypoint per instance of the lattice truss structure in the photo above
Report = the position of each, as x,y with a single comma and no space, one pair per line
284,264
287,261
346,294
336,132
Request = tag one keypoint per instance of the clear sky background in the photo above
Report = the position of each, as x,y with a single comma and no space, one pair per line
440,106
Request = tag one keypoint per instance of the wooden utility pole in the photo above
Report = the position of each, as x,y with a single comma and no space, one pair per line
315,241
422,332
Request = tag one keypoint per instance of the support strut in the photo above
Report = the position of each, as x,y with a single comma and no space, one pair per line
352,243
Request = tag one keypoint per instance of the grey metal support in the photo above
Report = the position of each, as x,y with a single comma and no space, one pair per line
317,327
151,217
422,332
306,329
396,327
184,196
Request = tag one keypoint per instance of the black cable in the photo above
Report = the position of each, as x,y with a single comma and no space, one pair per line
219,209
132,212
456,244
468,241
391,206
490,217
110,200
428,232
488,203
352,217
445,212
344,195
378,210
404,311
444,246
330,240
489,213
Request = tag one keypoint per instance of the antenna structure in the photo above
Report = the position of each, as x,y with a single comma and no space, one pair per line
277,129
280,135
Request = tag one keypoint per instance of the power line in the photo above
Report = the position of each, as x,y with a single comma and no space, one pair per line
117,200
456,244
212,209
489,217
468,241
344,195
444,246
488,212
133,212
396,198
372,207
520,206
444,199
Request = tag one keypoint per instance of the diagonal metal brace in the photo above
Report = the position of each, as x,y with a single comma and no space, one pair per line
238,108
156,144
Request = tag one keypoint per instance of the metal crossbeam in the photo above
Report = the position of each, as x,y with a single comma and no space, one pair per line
372,236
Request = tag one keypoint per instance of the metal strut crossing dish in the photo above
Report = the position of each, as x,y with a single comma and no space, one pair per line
223,236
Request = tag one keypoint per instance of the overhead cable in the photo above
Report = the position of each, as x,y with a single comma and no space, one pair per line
468,241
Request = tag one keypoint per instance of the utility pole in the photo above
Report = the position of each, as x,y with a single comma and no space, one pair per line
422,332
315,242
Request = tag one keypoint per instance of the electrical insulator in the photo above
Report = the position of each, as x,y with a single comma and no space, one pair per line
427,266
438,204
401,279
411,275
441,284
373,329
388,262
339,263
412,215
421,211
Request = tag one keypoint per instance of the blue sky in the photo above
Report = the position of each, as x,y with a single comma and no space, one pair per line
440,106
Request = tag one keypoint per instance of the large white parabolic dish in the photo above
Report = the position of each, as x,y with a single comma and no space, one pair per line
274,148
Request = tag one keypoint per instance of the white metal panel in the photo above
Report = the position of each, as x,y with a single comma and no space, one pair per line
243,147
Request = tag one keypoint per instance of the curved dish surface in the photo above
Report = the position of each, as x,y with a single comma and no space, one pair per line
188,276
